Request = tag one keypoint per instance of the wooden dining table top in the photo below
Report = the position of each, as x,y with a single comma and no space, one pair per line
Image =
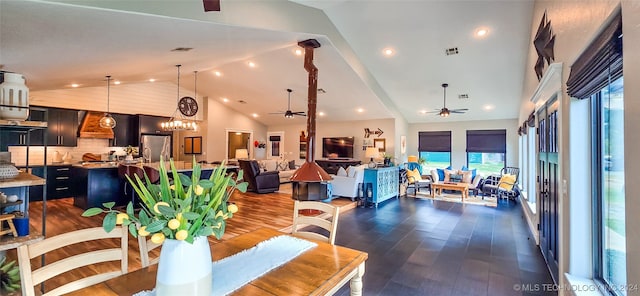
314,272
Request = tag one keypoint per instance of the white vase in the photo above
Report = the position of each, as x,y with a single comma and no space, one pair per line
184,268
14,94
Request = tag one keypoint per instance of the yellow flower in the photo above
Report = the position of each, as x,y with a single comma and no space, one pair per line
172,187
143,231
181,234
219,213
199,190
120,218
162,203
157,238
173,224
233,209
179,217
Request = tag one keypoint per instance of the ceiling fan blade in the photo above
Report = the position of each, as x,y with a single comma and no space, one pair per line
457,111
278,113
431,112
211,5
464,109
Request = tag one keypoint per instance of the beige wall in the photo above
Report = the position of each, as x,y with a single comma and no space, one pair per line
336,129
575,24
459,137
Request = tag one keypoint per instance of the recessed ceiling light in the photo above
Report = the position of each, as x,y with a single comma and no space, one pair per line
254,115
152,80
482,32
321,113
298,51
423,111
251,64
360,110
225,100
488,107
388,51
116,82
217,73
75,85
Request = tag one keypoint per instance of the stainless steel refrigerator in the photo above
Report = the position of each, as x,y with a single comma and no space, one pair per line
155,146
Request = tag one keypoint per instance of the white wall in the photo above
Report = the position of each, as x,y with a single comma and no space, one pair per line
575,24
337,129
459,137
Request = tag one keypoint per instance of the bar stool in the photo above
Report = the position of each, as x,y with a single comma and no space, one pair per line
8,218
152,173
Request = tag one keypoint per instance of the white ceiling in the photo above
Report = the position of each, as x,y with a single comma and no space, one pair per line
55,44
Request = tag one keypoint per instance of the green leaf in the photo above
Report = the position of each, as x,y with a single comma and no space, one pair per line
156,226
185,180
109,205
133,230
206,184
240,175
144,218
109,222
166,211
242,187
130,209
190,215
91,212
205,231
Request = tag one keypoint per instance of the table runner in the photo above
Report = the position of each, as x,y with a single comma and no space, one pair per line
233,272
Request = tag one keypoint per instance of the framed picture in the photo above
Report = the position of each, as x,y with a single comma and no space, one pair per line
403,144
366,143
380,144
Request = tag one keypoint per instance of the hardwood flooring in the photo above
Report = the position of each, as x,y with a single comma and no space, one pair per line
415,246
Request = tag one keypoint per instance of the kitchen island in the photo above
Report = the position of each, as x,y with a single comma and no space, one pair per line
97,183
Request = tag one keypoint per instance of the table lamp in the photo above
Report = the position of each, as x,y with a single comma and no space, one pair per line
242,154
372,152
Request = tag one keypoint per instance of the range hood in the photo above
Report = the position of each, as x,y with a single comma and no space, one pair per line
90,126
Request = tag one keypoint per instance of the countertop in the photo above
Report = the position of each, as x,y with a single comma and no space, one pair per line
181,166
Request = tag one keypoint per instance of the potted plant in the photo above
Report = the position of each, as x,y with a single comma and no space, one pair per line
9,277
180,215
387,159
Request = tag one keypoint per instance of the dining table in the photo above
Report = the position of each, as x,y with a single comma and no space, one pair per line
321,270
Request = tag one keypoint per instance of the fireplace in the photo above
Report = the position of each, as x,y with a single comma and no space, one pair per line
310,190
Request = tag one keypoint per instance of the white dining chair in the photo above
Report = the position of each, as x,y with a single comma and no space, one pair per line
146,246
30,278
327,220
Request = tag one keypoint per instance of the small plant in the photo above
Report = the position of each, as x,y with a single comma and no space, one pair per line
422,161
9,276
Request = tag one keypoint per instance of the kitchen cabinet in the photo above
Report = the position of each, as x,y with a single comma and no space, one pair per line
96,186
124,134
63,127
148,124
60,183
18,137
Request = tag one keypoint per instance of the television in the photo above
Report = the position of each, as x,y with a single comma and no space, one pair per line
337,147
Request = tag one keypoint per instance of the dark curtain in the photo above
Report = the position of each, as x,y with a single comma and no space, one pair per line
488,141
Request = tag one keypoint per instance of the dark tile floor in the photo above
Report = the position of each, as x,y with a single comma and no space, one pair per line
425,247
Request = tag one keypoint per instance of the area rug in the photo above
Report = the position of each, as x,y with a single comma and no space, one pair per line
453,197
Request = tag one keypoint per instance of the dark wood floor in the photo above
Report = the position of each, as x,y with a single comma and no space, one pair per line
424,247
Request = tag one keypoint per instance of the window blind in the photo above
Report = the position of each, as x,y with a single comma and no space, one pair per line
488,141
599,63
439,141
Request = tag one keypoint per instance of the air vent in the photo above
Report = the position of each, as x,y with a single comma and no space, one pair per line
182,49
242,101
463,96
451,51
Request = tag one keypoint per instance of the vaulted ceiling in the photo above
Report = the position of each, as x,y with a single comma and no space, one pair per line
57,43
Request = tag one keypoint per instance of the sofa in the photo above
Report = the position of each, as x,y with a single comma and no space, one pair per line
345,182
445,175
284,167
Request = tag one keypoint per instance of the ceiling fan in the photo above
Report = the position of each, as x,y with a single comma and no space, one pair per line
445,112
289,113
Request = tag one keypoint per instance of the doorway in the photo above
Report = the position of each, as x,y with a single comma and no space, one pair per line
238,142
275,144
548,183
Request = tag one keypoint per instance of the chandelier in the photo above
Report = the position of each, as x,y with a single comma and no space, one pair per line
178,122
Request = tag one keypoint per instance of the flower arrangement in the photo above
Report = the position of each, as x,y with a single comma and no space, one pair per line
188,208
130,150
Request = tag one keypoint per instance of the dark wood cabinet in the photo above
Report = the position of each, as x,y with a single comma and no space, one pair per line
60,182
148,124
20,137
63,127
97,186
124,134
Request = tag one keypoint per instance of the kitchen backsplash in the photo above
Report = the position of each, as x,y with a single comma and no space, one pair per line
36,153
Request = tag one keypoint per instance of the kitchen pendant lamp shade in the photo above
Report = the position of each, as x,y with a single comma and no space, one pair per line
107,121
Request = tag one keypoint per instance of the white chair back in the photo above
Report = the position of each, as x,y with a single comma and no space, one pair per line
327,220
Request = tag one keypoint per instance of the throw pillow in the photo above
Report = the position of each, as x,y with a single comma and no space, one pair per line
292,165
283,165
466,177
262,165
448,173
351,171
270,165
506,182
464,168
440,174
341,172
413,175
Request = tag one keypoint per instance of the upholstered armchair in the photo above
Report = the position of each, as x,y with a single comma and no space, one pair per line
260,182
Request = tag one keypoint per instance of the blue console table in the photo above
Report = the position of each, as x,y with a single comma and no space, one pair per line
385,183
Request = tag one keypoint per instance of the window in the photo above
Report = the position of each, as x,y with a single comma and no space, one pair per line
531,166
608,174
486,151
435,148
597,75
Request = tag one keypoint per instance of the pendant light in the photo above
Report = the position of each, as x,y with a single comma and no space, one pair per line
178,122
107,121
